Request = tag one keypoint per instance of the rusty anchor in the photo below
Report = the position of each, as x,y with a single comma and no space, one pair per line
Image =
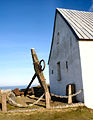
39,74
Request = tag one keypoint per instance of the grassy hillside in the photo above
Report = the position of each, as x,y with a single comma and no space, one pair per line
80,113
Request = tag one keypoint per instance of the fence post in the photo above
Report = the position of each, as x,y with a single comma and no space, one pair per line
47,97
69,94
4,105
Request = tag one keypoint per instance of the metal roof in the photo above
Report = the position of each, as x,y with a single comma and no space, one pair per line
80,21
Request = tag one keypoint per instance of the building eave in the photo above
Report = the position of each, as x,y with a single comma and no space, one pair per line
88,40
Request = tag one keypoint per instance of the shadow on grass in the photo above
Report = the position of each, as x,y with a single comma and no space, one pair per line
36,104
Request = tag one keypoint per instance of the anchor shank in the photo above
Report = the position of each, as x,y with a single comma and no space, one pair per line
41,77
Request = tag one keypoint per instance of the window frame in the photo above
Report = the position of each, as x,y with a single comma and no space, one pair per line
58,71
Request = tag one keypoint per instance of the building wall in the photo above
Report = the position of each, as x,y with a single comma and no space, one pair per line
66,50
86,54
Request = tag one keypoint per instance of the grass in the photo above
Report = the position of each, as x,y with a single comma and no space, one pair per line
31,100
80,113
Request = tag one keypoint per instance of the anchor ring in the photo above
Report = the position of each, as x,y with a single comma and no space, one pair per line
42,69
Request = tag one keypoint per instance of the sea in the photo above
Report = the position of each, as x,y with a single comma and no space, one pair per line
13,87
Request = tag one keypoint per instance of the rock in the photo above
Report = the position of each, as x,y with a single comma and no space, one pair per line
5,91
16,91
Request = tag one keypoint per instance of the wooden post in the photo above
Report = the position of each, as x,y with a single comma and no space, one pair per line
69,94
4,105
47,96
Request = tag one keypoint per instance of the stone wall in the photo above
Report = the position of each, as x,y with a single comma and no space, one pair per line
66,52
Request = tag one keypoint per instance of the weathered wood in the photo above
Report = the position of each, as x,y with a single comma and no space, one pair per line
4,105
41,77
69,93
29,84
0,92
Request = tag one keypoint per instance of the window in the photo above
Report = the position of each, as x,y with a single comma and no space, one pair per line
67,66
58,38
70,42
52,71
58,71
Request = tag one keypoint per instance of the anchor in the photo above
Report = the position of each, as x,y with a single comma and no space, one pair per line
39,74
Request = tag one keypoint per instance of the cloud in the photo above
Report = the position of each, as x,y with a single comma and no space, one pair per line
91,8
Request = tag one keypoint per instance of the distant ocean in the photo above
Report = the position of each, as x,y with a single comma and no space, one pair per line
13,87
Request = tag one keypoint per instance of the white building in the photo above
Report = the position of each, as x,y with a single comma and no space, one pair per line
71,54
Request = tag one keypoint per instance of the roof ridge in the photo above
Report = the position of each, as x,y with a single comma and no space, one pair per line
73,10
71,15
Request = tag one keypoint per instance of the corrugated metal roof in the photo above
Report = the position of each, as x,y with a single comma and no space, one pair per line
80,21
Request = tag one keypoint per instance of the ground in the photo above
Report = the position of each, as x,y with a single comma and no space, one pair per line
79,113
31,99
39,112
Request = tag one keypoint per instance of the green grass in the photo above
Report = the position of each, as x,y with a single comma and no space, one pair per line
80,113
41,103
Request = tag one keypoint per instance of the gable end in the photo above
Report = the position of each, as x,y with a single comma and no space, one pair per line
57,12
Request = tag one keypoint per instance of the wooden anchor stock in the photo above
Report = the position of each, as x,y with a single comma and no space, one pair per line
39,74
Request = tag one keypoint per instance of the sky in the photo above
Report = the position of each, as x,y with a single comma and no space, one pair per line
26,24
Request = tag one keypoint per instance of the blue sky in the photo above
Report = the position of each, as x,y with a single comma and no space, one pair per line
26,24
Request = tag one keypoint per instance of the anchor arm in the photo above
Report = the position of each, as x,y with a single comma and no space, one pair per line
29,84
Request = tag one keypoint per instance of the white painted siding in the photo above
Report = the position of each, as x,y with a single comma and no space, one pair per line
86,53
66,50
